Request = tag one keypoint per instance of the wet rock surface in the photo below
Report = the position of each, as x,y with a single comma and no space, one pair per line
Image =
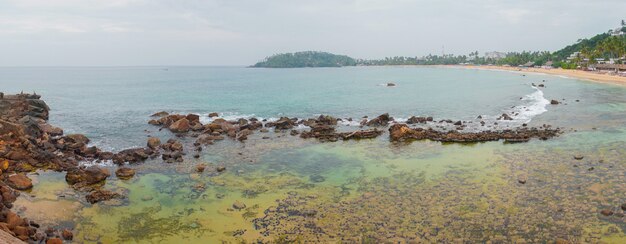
404,207
401,132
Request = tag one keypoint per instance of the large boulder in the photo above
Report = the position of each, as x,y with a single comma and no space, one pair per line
125,173
75,141
101,195
381,120
88,176
19,182
193,118
51,130
180,126
421,120
154,143
283,123
132,155
160,114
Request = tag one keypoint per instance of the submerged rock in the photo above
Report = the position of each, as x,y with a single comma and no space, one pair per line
239,205
180,126
67,234
125,173
153,143
101,195
88,176
160,114
19,182
421,120
401,132
606,212
381,120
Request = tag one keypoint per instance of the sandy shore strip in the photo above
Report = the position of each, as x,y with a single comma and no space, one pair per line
576,74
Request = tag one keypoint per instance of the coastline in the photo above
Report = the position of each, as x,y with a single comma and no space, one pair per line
576,74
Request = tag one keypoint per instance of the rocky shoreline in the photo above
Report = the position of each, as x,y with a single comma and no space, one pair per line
29,143
325,129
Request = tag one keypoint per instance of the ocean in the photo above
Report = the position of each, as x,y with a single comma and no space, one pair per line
367,190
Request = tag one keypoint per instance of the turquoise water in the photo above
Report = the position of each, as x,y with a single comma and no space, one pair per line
111,104
354,191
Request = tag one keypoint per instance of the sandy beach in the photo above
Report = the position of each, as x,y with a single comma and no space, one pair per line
578,74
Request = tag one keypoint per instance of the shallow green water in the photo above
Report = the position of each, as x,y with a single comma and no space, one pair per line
362,190
356,191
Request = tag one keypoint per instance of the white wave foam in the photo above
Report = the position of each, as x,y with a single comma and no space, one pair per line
346,122
535,104
105,163
230,116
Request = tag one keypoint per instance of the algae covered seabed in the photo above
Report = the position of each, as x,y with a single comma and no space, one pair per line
366,190
374,190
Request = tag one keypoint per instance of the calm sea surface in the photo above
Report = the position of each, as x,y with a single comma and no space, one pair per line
359,191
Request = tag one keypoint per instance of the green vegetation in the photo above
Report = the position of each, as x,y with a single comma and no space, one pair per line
305,59
602,47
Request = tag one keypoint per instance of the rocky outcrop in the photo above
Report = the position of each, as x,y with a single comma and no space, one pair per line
19,182
401,132
125,173
100,195
419,120
133,155
283,123
381,120
180,126
86,176
153,143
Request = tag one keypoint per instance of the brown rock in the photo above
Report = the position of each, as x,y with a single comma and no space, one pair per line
180,126
88,176
160,114
54,241
77,138
606,212
579,157
554,102
19,182
67,234
211,115
200,167
193,118
101,195
381,120
51,130
561,241
125,173
154,143
13,220
243,135
239,205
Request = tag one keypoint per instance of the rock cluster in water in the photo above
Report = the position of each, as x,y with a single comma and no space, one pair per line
28,143
324,128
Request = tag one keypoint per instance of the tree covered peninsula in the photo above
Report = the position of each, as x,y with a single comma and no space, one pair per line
306,59
609,47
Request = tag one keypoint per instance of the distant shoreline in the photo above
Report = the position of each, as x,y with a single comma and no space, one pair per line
576,74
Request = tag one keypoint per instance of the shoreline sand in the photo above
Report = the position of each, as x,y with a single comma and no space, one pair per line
575,74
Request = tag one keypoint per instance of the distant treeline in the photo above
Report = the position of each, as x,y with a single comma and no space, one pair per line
584,52
306,59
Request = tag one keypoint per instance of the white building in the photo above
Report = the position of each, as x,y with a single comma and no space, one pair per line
619,31
495,55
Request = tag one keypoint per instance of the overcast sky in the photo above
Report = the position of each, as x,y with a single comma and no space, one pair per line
231,32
